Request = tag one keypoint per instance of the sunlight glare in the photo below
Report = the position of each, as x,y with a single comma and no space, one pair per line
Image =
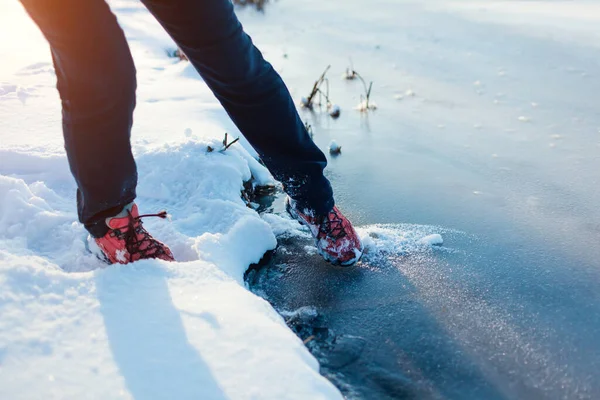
21,39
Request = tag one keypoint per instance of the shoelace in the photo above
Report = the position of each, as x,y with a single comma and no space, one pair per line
133,244
329,226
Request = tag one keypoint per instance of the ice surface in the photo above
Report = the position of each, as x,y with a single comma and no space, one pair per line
518,306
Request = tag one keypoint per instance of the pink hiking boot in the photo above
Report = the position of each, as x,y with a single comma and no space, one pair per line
337,241
127,240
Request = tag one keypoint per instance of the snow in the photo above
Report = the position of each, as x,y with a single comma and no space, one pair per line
334,148
72,327
364,106
334,111
380,240
432,240
284,226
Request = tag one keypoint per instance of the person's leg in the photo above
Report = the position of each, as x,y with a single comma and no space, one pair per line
251,92
96,82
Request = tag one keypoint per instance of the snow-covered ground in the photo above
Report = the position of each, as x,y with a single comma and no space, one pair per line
72,328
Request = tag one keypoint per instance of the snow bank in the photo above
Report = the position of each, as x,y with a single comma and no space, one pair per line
149,331
74,328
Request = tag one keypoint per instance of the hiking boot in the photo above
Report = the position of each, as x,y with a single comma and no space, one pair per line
336,239
127,240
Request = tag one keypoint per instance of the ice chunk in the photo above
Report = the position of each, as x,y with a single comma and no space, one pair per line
334,112
334,148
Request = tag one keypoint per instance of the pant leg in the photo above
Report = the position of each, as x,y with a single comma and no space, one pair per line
251,92
96,81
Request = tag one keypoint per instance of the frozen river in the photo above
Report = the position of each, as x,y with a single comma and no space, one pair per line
488,132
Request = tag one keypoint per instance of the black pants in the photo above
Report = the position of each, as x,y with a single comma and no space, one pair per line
96,82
